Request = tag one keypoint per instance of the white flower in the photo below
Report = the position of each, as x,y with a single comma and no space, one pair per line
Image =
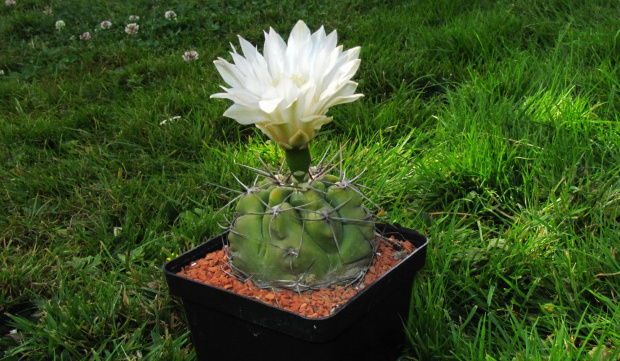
170,15
85,36
287,91
60,25
106,24
190,56
132,29
9,2
134,18
47,11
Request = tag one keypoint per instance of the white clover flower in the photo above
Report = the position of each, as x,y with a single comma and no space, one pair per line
9,2
134,18
1,72
106,24
132,29
287,91
170,15
190,56
60,25
85,36
47,11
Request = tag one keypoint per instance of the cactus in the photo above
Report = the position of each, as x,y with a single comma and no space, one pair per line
304,229
303,234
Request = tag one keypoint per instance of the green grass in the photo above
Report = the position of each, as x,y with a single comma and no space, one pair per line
490,126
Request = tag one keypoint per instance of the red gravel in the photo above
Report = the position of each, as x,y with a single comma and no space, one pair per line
215,271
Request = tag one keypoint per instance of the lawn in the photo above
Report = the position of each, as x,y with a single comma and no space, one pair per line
492,127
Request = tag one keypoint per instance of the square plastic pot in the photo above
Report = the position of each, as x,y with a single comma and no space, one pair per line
228,326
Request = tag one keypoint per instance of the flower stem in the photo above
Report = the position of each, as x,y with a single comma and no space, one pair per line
298,161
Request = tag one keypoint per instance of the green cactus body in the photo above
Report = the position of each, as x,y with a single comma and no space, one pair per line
300,236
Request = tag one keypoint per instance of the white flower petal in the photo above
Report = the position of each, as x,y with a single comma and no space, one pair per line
299,35
228,72
349,69
331,41
298,48
274,50
246,115
344,94
268,106
249,51
353,53
238,95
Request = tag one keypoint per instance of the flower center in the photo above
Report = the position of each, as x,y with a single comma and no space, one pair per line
298,80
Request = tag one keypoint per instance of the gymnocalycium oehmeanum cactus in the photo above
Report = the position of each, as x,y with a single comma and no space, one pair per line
306,228
301,235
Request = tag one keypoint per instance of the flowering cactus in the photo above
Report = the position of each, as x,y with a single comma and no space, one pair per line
303,229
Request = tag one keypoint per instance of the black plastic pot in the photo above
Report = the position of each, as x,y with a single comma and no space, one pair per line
227,326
